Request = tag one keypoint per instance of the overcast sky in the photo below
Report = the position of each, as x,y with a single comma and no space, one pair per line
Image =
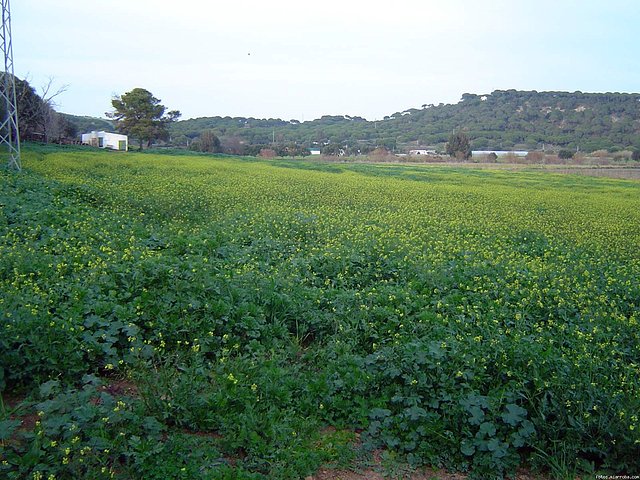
294,59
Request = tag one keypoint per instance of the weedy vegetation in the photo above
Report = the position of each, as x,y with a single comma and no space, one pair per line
271,317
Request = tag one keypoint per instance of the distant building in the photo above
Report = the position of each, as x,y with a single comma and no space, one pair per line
422,152
315,151
102,139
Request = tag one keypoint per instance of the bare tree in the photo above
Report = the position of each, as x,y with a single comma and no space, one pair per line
50,119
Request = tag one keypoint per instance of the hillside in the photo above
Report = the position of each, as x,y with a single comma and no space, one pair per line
504,119
86,124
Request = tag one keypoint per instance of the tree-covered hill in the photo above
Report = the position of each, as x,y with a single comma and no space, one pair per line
86,124
507,119
504,119
500,120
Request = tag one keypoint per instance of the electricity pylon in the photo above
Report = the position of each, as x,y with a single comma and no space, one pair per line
9,132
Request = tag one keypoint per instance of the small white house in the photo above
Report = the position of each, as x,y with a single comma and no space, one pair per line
421,151
101,139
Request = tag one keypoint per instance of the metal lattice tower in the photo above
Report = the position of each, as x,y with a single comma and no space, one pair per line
9,132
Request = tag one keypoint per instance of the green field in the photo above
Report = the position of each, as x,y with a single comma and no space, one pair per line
217,318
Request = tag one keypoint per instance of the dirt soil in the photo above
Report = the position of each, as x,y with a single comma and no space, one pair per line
428,474
120,387
375,470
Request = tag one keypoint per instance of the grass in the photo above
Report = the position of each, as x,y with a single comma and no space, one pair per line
265,311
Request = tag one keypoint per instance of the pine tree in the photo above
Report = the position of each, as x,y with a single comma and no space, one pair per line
459,146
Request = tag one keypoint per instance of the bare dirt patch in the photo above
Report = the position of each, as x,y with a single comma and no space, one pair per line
428,474
120,387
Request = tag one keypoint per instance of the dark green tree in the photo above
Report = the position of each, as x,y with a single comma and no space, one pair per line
459,145
30,107
37,117
66,128
141,115
207,142
565,154
332,149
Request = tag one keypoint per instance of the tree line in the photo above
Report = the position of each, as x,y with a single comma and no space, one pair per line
502,120
37,118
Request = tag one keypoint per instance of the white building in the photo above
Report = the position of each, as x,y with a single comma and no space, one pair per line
421,151
114,141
